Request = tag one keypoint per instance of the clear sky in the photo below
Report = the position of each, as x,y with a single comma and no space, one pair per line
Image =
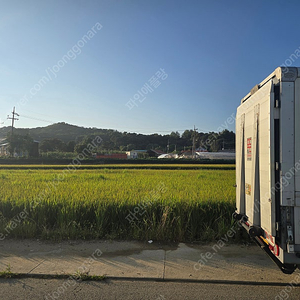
83,62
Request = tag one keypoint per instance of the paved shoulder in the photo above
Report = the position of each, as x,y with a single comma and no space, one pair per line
11,289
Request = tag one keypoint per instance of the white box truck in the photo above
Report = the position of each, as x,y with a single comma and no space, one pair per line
268,166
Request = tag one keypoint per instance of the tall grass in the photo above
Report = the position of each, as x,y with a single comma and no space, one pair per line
182,205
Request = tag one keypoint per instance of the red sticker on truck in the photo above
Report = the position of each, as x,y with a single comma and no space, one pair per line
249,148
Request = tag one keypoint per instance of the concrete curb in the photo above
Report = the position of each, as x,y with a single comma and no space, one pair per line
150,279
117,260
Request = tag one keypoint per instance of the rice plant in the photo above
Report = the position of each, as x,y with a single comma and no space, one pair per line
170,205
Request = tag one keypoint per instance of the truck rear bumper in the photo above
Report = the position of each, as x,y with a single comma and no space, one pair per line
257,234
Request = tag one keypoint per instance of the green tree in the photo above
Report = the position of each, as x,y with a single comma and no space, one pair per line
80,147
20,144
50,145
70,146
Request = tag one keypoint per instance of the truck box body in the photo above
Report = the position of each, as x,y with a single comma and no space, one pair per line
268,166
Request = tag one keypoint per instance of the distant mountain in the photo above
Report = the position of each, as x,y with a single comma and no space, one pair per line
115,140
63,131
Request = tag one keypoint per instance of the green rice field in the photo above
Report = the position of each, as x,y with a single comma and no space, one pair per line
53,202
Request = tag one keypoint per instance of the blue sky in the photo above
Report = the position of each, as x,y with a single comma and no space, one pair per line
212,53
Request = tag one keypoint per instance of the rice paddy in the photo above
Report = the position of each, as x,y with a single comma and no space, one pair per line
191,204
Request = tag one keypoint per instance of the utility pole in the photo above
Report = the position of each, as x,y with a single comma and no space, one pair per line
194,143
13,119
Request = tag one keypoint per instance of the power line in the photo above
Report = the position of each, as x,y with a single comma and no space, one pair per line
37,119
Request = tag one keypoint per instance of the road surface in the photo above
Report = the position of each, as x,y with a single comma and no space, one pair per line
29,288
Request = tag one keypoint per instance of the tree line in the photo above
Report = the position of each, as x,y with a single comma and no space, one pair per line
115,141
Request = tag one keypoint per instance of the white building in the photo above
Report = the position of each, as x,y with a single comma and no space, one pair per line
134,153
4,149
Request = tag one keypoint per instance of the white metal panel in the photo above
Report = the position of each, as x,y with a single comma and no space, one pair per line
261,97
287,143
267,203
249,126
281,73
297,161
255,184
240,164
274,114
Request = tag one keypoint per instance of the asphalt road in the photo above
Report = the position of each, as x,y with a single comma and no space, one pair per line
29,288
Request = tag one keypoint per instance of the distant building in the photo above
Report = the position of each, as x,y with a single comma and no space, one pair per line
33,150
224,155
4,149
135,153
168,155
186,154
155,153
